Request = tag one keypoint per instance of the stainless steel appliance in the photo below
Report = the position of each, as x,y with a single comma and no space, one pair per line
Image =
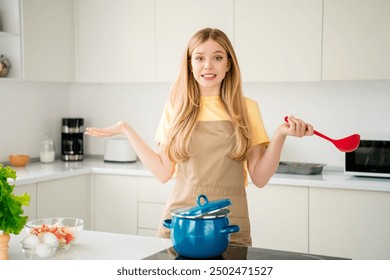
72,139
371,158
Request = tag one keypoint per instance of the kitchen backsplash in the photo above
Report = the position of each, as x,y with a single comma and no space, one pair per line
29,111
337,109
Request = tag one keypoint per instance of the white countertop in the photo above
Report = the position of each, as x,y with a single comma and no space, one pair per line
95,245
36,172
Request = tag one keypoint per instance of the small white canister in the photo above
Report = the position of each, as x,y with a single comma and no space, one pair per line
47,152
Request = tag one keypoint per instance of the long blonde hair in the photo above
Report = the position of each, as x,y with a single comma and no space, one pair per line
185,100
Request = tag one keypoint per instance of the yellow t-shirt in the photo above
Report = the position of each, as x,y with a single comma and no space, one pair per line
212,109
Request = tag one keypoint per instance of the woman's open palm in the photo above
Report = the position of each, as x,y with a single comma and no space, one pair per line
107,131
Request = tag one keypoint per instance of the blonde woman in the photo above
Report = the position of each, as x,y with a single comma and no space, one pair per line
212,133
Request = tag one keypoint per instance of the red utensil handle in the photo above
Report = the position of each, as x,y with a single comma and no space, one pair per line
314,131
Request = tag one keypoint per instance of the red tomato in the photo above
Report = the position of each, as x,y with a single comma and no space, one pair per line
68,237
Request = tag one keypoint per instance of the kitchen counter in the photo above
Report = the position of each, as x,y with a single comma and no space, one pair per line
95,245
363,201
36,172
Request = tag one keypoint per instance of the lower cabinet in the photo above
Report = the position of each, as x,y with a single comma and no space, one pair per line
152,196
115,203
349,223
31,209
279,217
67,197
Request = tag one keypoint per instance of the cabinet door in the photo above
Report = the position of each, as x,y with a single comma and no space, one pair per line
279,217
356,40
177,21
48,40
348,223
115,203
152,196
68,197
31,209
115,41
279,40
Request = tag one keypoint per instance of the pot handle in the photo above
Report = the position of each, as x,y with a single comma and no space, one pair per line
230,229
167,223
206,200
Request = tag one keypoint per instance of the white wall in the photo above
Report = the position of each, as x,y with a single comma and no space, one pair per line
29,110
103,105
337,109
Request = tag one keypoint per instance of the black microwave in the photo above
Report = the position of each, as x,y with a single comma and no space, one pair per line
371,158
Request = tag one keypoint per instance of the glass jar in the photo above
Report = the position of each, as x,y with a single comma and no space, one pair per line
47,152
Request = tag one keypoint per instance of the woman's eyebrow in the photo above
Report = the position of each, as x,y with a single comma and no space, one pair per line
216,52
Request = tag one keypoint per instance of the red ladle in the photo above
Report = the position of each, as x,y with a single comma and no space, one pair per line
347,144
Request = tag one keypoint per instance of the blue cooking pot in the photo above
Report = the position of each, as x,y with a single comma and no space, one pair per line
202,231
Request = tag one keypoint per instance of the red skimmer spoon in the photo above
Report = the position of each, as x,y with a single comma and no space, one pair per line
347,144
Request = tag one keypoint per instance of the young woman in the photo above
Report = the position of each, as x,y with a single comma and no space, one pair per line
211,134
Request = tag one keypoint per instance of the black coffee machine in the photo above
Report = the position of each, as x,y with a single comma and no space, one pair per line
72,139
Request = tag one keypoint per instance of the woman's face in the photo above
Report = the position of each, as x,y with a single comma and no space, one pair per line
209,64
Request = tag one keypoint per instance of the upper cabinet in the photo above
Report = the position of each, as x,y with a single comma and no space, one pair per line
279,40
177,21
48,40
356,40
37,37
132,41
10,37
115,41
141,41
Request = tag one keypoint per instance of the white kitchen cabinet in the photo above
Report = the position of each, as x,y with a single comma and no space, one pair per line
152,196
279,217
177,21
115,203
31,209
48,40
278,40
10,37
349,223
356,40
38,39
115,41
67,197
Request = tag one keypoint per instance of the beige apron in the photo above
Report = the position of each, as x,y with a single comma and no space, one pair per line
211,172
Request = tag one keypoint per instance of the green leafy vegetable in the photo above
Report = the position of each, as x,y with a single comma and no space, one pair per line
11,211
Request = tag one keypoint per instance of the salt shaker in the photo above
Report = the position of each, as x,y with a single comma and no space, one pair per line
47,153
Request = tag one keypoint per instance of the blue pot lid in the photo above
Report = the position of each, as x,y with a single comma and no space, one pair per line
202,209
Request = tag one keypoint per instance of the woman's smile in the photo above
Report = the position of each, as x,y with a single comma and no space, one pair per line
209,76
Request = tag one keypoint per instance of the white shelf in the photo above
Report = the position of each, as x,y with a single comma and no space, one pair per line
10,39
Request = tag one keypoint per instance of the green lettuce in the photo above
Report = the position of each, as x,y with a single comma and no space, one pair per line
11,211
